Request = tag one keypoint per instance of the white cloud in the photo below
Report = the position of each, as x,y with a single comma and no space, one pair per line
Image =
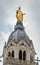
3,37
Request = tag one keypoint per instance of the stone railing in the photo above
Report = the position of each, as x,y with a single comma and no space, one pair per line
12,61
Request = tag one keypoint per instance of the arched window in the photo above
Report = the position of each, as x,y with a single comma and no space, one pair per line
12,53
24,55
20,55
11,44
8,53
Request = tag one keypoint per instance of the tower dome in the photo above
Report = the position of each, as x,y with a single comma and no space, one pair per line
19,33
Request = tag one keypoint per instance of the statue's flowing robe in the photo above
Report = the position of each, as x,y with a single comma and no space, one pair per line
19,15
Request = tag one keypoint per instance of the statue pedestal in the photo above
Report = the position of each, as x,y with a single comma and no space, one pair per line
19,25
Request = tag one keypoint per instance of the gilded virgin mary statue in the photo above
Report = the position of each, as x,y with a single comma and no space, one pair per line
19,14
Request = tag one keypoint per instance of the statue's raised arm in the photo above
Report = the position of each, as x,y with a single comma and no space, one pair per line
19,14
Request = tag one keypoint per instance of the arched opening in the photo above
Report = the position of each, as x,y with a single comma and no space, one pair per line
8,53
20,55
11,44
12,53
24,55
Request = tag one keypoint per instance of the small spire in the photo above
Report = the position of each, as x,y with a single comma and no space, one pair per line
5,45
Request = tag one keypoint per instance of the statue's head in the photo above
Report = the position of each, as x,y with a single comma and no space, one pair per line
19,8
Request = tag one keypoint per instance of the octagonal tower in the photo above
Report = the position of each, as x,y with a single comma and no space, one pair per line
19,49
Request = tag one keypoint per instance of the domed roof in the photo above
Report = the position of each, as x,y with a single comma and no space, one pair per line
19,34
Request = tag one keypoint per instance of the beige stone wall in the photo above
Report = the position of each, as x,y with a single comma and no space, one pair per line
11,61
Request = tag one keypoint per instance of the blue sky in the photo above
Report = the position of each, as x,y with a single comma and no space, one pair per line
31,21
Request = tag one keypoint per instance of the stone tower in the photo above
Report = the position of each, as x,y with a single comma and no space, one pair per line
19,49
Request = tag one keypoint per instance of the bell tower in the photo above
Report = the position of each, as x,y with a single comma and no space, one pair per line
19,49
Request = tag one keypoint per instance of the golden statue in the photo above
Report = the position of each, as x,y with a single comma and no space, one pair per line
19,14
